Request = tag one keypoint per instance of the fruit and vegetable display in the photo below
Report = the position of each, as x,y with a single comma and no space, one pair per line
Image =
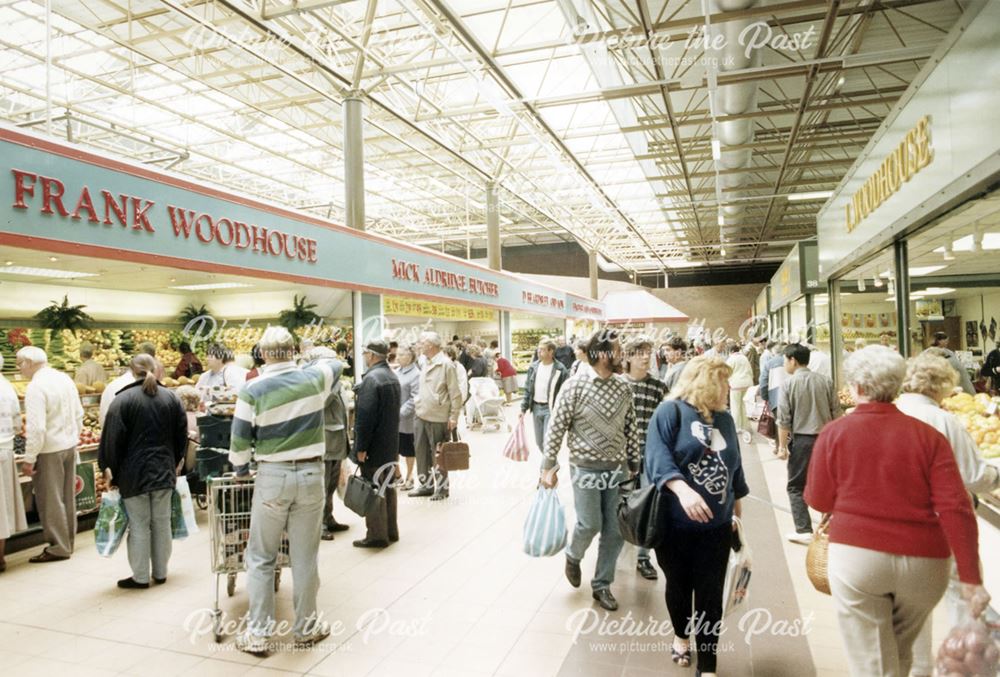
969,650
846,399
979,415
91,432
525,341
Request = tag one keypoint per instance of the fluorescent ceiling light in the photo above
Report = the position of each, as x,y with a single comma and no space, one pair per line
216,285
920,271
965,243
43,272
716,150
936,291
812,195
722,220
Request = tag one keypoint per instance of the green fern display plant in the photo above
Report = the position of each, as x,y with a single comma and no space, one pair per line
190,312
300,315
58,317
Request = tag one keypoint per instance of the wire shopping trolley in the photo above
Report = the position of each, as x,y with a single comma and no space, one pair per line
229,506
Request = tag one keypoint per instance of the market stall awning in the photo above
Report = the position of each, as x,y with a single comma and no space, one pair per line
639,306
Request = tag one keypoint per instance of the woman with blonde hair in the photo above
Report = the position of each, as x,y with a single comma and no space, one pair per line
929,380
898,510
693,453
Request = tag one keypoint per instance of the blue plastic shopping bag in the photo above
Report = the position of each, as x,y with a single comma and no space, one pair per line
545,528
112,521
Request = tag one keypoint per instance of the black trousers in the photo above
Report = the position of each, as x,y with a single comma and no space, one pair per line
694,564
799,452
381,520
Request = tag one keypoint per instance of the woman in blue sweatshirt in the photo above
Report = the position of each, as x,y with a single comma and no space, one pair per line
693,453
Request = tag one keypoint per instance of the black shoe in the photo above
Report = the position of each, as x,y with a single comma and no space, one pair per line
646,570
422,492
573,574
440,496
131,584
606,599
46,556
326,535
370,543
334,527
159,581
394,539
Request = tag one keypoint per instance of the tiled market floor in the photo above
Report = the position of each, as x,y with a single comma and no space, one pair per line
455,596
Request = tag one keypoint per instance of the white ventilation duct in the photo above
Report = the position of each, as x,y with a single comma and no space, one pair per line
733,99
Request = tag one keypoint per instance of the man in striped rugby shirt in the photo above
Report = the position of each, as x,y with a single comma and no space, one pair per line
647,393
279,422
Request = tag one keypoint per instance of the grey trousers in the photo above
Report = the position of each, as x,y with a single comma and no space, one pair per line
883,601
331,478
286,497
55,492
426,437
149,534
595,496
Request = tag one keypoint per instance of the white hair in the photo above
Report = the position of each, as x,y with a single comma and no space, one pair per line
876,371
32,354
277,342
321,353
432,337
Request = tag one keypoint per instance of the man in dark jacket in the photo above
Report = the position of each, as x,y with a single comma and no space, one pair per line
143,441
376,442
565,354
545,378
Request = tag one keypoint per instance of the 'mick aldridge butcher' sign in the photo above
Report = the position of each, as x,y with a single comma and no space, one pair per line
909,157
436,277
106,209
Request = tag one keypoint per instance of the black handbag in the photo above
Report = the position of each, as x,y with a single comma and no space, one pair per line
640,510
639,515
361,494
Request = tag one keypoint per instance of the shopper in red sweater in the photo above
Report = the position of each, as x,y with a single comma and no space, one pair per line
899,509
508,376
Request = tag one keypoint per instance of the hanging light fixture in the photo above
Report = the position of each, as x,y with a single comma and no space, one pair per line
877,280
949,251
861,283
977,241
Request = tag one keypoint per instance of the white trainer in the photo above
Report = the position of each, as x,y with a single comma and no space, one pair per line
255,645
320,632
802,539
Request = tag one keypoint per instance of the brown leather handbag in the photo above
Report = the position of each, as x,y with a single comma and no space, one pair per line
453,455
766,425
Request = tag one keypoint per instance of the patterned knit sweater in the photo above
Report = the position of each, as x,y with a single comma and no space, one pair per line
599,417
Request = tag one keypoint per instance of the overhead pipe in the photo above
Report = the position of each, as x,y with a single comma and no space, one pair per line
733,136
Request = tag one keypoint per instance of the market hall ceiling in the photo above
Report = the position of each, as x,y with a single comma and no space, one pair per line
606,123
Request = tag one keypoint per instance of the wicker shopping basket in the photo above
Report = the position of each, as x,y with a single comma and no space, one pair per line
817,555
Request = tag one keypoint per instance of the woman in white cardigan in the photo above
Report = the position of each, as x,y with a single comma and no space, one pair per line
929,380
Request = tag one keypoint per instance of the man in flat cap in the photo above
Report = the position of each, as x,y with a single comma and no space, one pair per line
376,442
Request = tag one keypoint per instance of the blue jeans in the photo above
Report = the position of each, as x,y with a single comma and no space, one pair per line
540,417
149,533
595,496
286,497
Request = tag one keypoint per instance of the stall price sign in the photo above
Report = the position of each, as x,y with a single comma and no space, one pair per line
393,305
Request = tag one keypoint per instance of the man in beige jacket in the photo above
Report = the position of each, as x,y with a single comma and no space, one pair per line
438,405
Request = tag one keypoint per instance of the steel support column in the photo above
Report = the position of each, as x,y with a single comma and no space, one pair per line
901,255
354,162
593,274
493,226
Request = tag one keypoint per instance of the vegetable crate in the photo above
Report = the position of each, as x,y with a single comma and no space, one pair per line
229,507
